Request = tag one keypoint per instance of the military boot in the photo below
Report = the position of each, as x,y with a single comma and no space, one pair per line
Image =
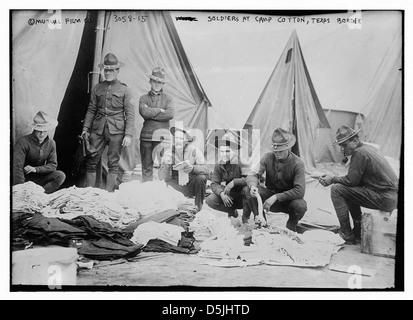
90,179
357,230
111,180
348,238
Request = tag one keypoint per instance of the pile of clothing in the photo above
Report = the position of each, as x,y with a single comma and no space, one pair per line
272,245
289,248
154,230
149,197
101,224
187,214
28,197
133,201
208,223
164,237
94,239
73,202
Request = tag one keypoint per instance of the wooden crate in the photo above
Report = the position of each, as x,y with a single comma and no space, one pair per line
378,233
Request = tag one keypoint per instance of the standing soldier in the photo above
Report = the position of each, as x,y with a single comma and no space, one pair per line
157,109
109,121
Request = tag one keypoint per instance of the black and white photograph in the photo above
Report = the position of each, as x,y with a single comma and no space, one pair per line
206,150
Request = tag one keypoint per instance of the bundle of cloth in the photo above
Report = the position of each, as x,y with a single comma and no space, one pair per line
73,202
28,197
94,239
149,197
273,245
164,237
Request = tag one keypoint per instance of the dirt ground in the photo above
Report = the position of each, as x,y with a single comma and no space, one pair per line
169,271
172,271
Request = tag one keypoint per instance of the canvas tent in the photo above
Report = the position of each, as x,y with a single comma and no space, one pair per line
289,100
382,109
342,60
53,70
343,113
43,57
379,114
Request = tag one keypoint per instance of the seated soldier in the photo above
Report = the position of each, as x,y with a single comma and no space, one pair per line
227,198
34,156
185,160
370,182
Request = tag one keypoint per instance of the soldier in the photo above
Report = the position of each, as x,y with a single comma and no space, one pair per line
109,121
35,158
184,159
157,109
370,182
284,181
228,170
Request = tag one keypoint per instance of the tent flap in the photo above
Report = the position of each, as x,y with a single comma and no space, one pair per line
43,57
146,40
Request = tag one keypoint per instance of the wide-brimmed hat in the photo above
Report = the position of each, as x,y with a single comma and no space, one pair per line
42,122
282,140
344,133
158,74
228,140
110,62
189,138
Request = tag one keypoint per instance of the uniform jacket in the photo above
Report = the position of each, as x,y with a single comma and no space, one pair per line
286,178
28,151
111,103
156,123
227,172
369,168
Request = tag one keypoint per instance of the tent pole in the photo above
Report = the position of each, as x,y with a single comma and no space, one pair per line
100,28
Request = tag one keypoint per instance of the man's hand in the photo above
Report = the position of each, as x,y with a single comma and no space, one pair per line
228,187
269,202
126,141
29,169
254,191
168,160
85,134
227,200
187,168
326,180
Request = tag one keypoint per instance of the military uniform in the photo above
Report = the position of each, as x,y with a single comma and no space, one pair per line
110,116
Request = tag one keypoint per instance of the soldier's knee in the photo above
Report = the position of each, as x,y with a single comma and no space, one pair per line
200,178
298,207
336,190
61,176
212,200
246,192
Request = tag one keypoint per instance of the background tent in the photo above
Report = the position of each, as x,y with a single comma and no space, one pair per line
343,58
149,42
58,73
382,109
343,113
289,101
43,57
51,66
